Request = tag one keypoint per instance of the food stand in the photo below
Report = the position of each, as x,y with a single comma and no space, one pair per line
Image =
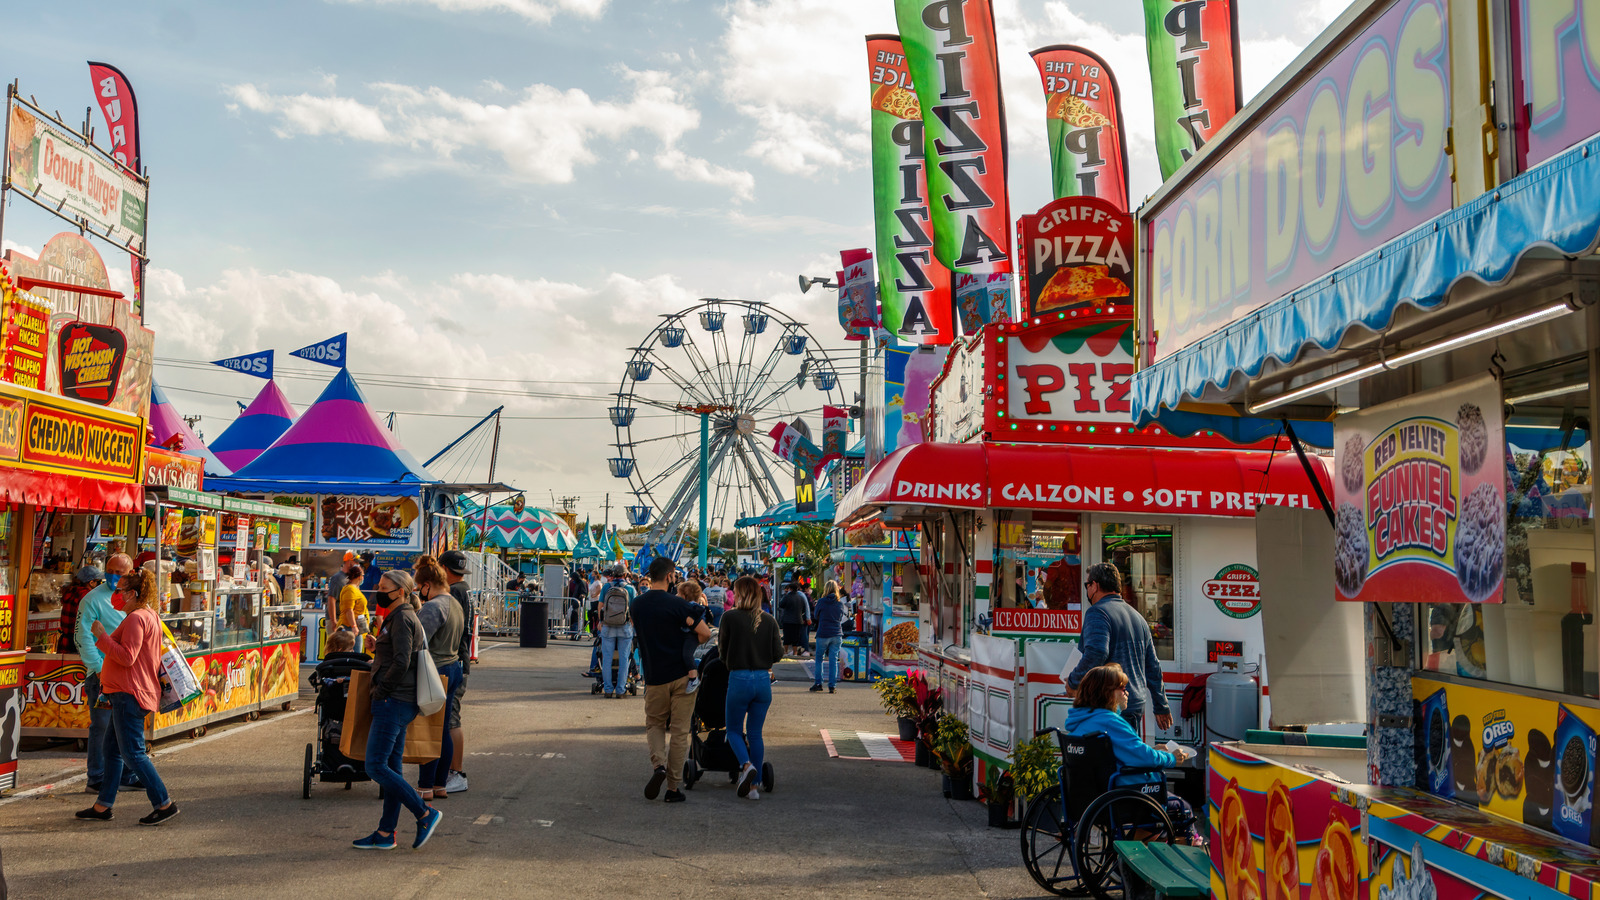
1025,482
1438,305
74,396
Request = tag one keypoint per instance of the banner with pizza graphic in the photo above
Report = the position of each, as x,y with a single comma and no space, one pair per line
1077,253
1083,117
1420,498
913,287
1193,49
950,51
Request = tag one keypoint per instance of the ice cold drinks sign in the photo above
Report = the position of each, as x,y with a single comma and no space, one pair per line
1420,509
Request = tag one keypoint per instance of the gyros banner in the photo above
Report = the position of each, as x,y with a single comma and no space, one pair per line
1193,46
1419,490
913,287
1077,252
1083,116
60,171
950,50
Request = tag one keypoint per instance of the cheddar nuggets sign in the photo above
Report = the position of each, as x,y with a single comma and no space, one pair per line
49,434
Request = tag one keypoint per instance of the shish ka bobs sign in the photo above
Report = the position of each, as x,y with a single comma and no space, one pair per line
1421,512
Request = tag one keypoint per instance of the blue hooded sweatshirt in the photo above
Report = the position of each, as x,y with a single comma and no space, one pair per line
1125,743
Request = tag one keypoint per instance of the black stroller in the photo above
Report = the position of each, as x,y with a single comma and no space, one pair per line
628,680
331,681
708,729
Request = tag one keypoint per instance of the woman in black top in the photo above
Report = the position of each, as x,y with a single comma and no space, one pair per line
749,644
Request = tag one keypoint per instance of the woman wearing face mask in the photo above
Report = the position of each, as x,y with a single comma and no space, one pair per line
128,681
394,705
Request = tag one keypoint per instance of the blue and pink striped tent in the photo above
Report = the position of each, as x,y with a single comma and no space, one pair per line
262,422
337,446
165,422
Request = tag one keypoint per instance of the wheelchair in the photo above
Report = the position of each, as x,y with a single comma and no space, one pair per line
1069,831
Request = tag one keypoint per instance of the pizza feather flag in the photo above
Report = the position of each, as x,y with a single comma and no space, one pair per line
913,287
954,66
1193,49
1083,118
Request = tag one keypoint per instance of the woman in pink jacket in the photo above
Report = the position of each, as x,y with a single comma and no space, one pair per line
128,682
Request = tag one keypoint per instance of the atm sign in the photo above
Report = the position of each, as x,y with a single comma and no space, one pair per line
1236,590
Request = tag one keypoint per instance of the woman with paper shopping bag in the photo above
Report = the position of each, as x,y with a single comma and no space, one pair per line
394,706
129,684
442,623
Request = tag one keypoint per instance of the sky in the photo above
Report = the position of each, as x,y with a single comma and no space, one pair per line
498,198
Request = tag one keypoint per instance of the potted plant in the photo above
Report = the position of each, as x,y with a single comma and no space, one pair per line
1035,767
951,747
928,704
998,792
900,701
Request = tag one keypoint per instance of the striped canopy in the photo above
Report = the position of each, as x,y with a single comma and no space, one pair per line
532,529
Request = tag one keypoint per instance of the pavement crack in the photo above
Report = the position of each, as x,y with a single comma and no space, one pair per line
612,840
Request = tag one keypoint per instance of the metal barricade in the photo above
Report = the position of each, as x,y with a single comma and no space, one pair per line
499,612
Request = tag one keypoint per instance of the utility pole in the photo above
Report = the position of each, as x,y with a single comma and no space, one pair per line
608,511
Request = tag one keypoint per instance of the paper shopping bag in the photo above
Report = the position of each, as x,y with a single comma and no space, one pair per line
424,737
357,716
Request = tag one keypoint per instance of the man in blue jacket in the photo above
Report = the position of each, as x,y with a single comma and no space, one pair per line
1115,632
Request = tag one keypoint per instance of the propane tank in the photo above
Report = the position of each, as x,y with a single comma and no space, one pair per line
1233,703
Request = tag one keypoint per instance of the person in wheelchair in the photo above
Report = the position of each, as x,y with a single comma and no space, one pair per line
1102,696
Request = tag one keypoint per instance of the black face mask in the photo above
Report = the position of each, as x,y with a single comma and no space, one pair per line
389,599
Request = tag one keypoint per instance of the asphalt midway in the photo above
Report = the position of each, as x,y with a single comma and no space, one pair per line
556,809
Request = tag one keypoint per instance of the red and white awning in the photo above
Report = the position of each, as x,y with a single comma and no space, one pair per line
1084,479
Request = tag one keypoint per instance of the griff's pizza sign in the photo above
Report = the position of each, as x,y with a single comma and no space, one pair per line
1077,253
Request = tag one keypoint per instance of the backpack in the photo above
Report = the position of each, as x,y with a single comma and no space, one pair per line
614,609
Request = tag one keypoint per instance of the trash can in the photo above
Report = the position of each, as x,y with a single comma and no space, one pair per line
535,617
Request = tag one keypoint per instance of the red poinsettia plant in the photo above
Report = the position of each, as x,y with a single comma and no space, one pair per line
928,702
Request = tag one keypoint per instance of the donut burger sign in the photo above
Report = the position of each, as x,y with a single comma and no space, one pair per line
1419,490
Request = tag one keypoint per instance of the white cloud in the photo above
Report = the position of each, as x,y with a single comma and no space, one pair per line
541,11
797,69
544,136
308,114
690,168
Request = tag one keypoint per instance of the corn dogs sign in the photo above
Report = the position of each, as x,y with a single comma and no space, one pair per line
1353,158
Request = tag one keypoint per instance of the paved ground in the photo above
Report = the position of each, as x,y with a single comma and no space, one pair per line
556,810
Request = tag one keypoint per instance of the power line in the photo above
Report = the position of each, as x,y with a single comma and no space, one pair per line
315,373
432,415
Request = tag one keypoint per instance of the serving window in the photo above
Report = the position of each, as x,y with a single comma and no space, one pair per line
1027,546
1143,555
1543,634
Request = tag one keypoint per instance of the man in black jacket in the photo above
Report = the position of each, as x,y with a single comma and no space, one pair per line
454,563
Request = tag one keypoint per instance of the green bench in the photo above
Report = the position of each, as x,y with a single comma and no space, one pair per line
1163,870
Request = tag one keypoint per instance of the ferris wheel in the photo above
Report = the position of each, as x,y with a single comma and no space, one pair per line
693,410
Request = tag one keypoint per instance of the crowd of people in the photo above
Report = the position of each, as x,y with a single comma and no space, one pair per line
665,620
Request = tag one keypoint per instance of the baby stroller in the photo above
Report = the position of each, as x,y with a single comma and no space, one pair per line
331,681
708,729
629,681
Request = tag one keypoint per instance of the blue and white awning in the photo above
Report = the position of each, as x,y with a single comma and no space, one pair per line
1553,207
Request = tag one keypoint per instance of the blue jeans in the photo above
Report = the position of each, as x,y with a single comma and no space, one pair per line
435,774
99,730
386,748
126,742
619,641
749,697
827,653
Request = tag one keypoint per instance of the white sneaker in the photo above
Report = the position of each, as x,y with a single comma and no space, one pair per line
456,783
692,686
754,794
